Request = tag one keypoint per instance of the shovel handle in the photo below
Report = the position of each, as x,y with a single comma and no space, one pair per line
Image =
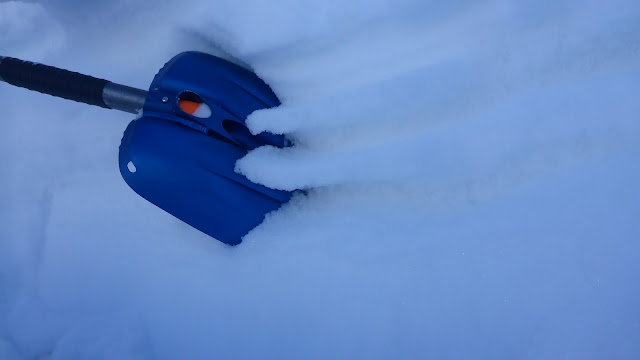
70,85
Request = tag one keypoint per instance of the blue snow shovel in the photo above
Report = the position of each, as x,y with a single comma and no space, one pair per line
180,154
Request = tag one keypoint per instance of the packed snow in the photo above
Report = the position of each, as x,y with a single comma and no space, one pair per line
471,173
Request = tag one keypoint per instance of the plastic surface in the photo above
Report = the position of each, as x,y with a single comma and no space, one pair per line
185,164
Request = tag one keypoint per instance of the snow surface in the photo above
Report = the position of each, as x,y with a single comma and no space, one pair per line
472,169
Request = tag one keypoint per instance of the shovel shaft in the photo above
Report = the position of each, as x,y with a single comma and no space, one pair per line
71,85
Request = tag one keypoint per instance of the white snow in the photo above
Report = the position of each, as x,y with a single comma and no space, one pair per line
471,168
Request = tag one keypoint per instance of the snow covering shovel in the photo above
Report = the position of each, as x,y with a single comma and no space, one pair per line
181,152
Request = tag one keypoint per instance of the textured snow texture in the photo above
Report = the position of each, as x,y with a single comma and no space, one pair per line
472,174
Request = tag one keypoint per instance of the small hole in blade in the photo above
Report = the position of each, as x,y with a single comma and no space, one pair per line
240,133
131,167
193,105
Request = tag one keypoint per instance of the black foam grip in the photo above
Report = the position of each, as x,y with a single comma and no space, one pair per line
53,81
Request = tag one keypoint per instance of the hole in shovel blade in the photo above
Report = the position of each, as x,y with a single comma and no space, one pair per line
131,167
240,133
193,105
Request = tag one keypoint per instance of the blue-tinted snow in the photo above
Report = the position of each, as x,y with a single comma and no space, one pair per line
471,168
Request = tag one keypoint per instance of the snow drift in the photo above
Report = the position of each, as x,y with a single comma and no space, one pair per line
471,172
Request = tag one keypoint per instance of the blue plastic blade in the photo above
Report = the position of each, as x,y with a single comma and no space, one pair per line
184,164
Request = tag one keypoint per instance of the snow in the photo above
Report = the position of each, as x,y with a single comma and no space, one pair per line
471,172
